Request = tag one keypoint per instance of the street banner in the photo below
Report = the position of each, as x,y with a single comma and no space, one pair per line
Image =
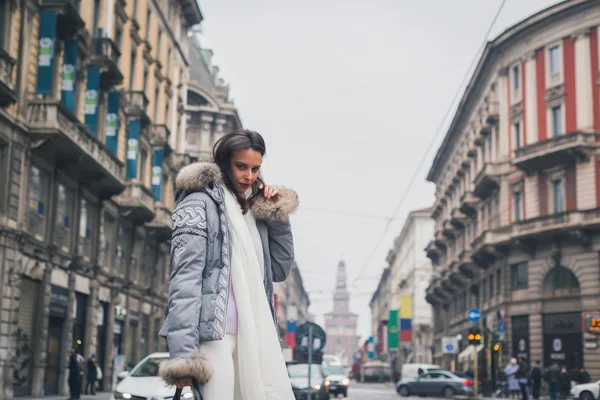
92,92
371,347
111,132
405,318
133,146
47,36
292,320
157,162
393,330
68,75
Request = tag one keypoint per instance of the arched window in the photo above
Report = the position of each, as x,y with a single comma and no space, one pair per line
194,99
561,278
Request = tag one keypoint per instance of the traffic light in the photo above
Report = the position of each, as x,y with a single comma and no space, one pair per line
474,336
496,347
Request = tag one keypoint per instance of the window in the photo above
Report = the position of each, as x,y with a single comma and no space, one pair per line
96,32
118,38
148,13
86,224
167,72
499,282
169,11
519,275
483,289
145,79
132,71
142,166
560,278
64,217
491,285
3,21
554,60
110,231
37,196
556,121
517,131
558,195
123,250
156,93
149,263
158,44
135,7
518,205
3,174
515,76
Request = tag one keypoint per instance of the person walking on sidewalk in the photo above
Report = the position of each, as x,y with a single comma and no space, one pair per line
75,368
511,374
523,377
92,375
552,377
231,240
536,378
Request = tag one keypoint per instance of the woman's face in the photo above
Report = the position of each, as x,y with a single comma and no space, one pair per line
245,165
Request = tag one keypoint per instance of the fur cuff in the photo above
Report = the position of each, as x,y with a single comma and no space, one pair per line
278,209
194,366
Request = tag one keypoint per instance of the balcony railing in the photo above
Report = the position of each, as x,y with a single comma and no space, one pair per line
487,179
69,20
136,202
75,146
554,151
8,94
105,54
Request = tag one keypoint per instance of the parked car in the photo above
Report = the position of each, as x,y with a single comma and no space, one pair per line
435,383
143,382
414,370
586,391
300,385
336,380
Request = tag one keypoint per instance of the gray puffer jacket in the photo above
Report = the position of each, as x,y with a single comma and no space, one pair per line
200,262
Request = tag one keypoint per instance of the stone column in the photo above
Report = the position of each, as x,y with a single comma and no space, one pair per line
39,362
530,100
110,337
135,352
206,121
125,331
504,111
91,323
583,81
219,128
67,338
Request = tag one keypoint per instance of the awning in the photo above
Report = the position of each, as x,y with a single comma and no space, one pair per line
469,352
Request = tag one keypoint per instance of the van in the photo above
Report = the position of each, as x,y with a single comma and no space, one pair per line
412,371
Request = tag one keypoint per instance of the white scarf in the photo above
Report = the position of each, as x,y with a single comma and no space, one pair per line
262,371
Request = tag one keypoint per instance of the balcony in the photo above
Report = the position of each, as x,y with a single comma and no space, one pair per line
487,179
493,113
448,230
68,143
69,21
136,106
468,202
105,54
136,202
159,135
180,160
433,252
458,219
554,151
488,245
440,241
161,224
466,266
8,94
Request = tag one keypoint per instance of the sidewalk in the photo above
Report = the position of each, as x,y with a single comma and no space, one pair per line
98,396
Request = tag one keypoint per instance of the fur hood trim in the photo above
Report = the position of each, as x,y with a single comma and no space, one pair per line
194,366
198,176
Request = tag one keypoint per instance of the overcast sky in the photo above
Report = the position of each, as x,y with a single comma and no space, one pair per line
348,95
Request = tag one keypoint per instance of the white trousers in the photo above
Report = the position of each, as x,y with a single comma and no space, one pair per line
223,385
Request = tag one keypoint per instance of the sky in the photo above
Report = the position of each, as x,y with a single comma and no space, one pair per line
349,95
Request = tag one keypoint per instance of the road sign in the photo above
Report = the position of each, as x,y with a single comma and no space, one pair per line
474,315
449,345
318,337
501,327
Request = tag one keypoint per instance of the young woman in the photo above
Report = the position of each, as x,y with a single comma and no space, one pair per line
231,240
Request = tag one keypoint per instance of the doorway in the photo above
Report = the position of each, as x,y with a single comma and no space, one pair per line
54,352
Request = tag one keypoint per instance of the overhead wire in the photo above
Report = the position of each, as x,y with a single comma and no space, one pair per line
434,139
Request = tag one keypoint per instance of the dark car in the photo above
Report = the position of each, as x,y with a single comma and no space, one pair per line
299,378
435,383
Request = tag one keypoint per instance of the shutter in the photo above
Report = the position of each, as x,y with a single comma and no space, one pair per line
543,193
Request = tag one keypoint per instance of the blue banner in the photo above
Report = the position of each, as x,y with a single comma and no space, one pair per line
157,163
133,146
68,78
46,52
112,122
91,99
371,347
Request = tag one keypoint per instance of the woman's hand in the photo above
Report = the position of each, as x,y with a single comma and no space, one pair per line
268,191
183,382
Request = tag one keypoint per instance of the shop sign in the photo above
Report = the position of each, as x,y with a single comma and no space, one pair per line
59,299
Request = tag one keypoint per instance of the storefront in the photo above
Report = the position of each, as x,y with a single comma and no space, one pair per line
59,300
563,340
520,336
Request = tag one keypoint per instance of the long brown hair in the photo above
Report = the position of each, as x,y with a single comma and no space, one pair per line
223,152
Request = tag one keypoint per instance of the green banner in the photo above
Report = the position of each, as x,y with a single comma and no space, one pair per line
393,330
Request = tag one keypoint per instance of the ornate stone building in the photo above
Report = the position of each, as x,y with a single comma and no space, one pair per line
340,323
517,205
92,98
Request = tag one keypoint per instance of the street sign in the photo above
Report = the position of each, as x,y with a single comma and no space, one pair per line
318,337
449,345
501,327
474,315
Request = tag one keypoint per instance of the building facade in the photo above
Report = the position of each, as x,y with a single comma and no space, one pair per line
92,122
380,313
518,193
340,323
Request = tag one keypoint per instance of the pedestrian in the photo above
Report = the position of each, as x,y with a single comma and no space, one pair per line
92,375
75,371
523,377
511,374
564,384
553,377
536,378
231,240
584,376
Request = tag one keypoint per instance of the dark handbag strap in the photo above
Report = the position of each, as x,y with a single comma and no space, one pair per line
177,394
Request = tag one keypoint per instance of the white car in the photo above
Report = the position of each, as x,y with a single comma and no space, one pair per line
586,391
143,382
